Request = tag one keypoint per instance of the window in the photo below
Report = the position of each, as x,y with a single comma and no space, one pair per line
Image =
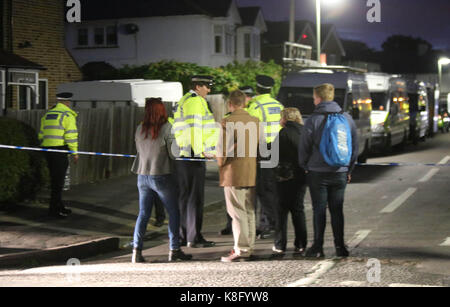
83,37
218,39
99,36
256,46
229,40
247,45
111,36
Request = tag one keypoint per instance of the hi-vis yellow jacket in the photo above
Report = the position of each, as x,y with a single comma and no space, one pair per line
59,128
267,110
194,127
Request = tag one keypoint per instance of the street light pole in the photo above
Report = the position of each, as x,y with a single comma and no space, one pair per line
318,21
292,22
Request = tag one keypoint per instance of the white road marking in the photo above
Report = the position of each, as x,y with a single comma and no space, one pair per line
411,286
399,201
446,242
445,160
318,270
351,283
324,266
358,238
430,174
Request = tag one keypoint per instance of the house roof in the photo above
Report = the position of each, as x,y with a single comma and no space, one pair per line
11,60
115,9
249,15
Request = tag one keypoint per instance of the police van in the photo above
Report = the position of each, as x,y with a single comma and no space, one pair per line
390,115
351,93
418,109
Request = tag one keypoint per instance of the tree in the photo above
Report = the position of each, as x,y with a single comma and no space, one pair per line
405,54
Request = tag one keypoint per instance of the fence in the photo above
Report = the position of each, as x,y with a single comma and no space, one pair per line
109,130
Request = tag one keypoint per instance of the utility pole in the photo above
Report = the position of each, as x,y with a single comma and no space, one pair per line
292,22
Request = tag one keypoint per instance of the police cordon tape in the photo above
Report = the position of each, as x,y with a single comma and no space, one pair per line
191,159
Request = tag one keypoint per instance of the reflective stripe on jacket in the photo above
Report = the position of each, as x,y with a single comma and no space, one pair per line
59,128
267,110
194,126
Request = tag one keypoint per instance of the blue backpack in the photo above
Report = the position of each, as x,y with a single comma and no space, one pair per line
336,141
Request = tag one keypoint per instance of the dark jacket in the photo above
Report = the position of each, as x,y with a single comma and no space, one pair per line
310,157
289,138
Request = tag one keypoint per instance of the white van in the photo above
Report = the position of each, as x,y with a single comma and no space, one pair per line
351,93
121,93
390,114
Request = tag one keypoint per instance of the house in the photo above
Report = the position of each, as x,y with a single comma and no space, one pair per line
33,59
305,34
138,32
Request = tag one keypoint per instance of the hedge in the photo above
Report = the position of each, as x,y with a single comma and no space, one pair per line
22,173
226,78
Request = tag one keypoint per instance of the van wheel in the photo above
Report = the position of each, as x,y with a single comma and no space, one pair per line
362,158
388,147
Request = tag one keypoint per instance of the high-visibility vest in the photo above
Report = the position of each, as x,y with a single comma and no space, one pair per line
59,128
268,111
194,126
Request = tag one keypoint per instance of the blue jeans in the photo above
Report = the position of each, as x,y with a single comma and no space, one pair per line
165,188
328,188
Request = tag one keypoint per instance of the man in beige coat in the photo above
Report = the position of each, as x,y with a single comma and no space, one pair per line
237,154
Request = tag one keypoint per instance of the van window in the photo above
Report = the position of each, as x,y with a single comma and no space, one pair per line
379,101
302,98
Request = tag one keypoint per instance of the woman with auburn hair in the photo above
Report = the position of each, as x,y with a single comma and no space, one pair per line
154,168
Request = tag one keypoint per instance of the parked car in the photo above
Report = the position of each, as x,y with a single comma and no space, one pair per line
351,93
390,110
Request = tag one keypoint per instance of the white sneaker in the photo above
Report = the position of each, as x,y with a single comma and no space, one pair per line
276,250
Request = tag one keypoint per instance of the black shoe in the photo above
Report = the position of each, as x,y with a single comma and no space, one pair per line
57,214
342,252
158,223
299,251
66,211
225,232
202,243
137,256
178,254
183,243
315,252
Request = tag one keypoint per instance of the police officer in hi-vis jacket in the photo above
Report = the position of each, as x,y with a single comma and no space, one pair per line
59,131
268,111
196,136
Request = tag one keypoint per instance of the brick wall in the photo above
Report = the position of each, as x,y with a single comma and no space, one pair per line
41,22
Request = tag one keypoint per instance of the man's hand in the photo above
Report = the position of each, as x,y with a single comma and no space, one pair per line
75,159
209,156
349,178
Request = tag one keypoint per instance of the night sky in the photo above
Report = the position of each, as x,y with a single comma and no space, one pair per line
427,19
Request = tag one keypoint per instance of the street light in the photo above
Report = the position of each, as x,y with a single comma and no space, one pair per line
442,61
318,23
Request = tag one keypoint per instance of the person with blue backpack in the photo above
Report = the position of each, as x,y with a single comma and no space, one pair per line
328,152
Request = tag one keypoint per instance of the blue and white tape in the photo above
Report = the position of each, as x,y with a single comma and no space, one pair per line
88,153
193,159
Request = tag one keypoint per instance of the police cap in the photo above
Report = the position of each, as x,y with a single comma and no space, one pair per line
264,82
209,80
64,96
247,90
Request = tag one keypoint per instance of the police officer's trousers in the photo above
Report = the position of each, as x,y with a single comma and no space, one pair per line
191,182
266,189
57,165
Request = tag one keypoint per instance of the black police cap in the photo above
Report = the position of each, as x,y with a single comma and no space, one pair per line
247,90
203,79
64,96
264,82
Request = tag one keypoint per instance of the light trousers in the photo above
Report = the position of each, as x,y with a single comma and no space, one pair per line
241,208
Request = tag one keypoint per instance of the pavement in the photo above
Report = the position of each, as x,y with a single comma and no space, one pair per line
103,220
